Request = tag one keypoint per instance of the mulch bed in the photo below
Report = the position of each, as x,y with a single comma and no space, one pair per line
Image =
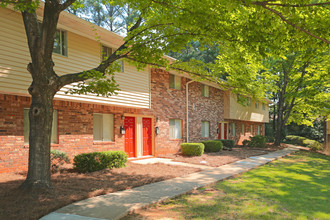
224,157
69,187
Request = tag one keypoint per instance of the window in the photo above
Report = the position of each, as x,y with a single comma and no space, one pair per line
175,129
251,127
233,129
102,127
54,137
257,104
175,82
60,43
205,91
263,106
243,130
106,52
205,129
259,130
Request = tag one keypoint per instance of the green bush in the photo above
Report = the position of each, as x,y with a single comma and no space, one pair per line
192,149
257,141
90,162
270,139
212,146
227,144
245,142
57,159
302,141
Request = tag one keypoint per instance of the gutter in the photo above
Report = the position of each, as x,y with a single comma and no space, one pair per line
187,101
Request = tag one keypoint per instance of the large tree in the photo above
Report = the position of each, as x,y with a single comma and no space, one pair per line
250,27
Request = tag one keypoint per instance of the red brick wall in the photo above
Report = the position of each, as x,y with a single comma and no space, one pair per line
239,136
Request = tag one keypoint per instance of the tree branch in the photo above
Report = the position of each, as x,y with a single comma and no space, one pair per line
290,5
262,4
66,4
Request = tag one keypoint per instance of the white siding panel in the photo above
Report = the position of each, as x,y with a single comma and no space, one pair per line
83,54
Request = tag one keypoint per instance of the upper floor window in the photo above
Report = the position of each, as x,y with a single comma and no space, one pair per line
54,136
257,104
205,129
175,82
60,43
106,52
175,129
103,127
263,106
205,91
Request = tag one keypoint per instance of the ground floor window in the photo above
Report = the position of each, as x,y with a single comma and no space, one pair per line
103,127
205,129
175,129
243,129
251,127
54,137
259,129
233,129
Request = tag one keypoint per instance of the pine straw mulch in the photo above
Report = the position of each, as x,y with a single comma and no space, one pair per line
224,157
70,186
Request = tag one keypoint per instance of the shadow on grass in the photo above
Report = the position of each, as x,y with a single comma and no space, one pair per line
297,186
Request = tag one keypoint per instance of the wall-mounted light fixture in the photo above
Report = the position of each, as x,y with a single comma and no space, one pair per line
122,117
122,130
157,130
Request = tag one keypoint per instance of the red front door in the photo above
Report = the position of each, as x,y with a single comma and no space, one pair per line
219,134
130,136
225,131
147,136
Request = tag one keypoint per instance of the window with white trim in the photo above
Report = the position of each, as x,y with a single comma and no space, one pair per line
205,90
257,104
243,130
175,82
60,43
233,129
259,130
175,129
103,127
54,136
205,129
251,127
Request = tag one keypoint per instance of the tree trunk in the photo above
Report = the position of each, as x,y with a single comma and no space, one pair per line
41,118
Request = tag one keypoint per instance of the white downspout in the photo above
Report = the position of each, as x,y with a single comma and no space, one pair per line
187,100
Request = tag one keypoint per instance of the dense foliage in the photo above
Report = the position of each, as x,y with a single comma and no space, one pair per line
227,144
192,149
258,141
302,141
90,162
212,146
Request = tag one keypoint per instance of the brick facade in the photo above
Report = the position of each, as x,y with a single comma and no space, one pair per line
75,121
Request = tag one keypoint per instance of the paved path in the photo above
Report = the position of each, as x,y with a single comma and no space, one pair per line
118,204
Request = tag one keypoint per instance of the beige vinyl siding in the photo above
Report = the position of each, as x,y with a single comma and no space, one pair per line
83,54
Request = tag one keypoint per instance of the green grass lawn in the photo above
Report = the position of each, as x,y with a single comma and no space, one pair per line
295,187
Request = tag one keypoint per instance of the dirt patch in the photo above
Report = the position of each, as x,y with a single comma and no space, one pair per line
223,157
69,187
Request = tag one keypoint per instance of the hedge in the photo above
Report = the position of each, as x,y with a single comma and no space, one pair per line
227,144
297,140
257,141
212,146
90,162
192,149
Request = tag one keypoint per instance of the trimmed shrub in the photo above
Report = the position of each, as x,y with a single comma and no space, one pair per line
192,149
212,146
227,144
302,141
90,162
57,159
245,142
257,141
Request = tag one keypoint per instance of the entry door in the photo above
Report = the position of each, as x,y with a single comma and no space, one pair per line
147,136
225,131
130,136
219,134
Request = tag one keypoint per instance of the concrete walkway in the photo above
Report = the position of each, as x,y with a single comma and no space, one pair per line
118,204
